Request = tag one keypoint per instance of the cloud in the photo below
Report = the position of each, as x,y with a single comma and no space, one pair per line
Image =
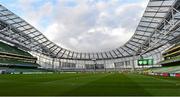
85,25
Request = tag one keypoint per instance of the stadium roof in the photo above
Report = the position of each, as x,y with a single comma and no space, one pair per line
153,31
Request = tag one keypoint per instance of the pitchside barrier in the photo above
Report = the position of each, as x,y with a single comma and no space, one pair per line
163,74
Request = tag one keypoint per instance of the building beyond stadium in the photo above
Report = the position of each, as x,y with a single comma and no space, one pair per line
22,45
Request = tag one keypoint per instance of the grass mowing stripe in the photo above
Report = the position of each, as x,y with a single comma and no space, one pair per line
79,91
66,82
72,83
111,85
22,84
138,90
21,80
88,84
158,86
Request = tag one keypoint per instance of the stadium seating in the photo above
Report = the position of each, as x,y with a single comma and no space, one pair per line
11,56
171,56
13,61
174,59
18,70
172,69
12,49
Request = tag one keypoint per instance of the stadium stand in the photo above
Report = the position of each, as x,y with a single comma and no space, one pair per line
171,56
170,64
23,70
12,50
12,58
171,69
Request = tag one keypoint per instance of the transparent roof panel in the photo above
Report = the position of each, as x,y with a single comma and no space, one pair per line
154,14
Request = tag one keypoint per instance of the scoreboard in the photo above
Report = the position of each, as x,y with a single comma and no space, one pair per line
142,62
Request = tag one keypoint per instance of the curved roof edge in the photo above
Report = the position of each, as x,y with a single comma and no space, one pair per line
154,21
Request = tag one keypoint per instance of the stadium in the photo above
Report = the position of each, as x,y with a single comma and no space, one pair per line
148,64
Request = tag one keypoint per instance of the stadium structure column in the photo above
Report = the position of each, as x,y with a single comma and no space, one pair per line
39,58
48,62
124,62
85,65
60,64
94,60
53,59
50,65
105,65
133,65
114,67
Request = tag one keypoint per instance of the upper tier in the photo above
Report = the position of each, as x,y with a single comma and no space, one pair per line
13,50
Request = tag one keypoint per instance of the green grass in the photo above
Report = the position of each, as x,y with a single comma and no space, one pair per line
88,84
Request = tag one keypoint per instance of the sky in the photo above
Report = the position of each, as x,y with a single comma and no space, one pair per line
82,25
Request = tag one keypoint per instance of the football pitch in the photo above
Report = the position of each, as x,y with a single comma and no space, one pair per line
88,84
